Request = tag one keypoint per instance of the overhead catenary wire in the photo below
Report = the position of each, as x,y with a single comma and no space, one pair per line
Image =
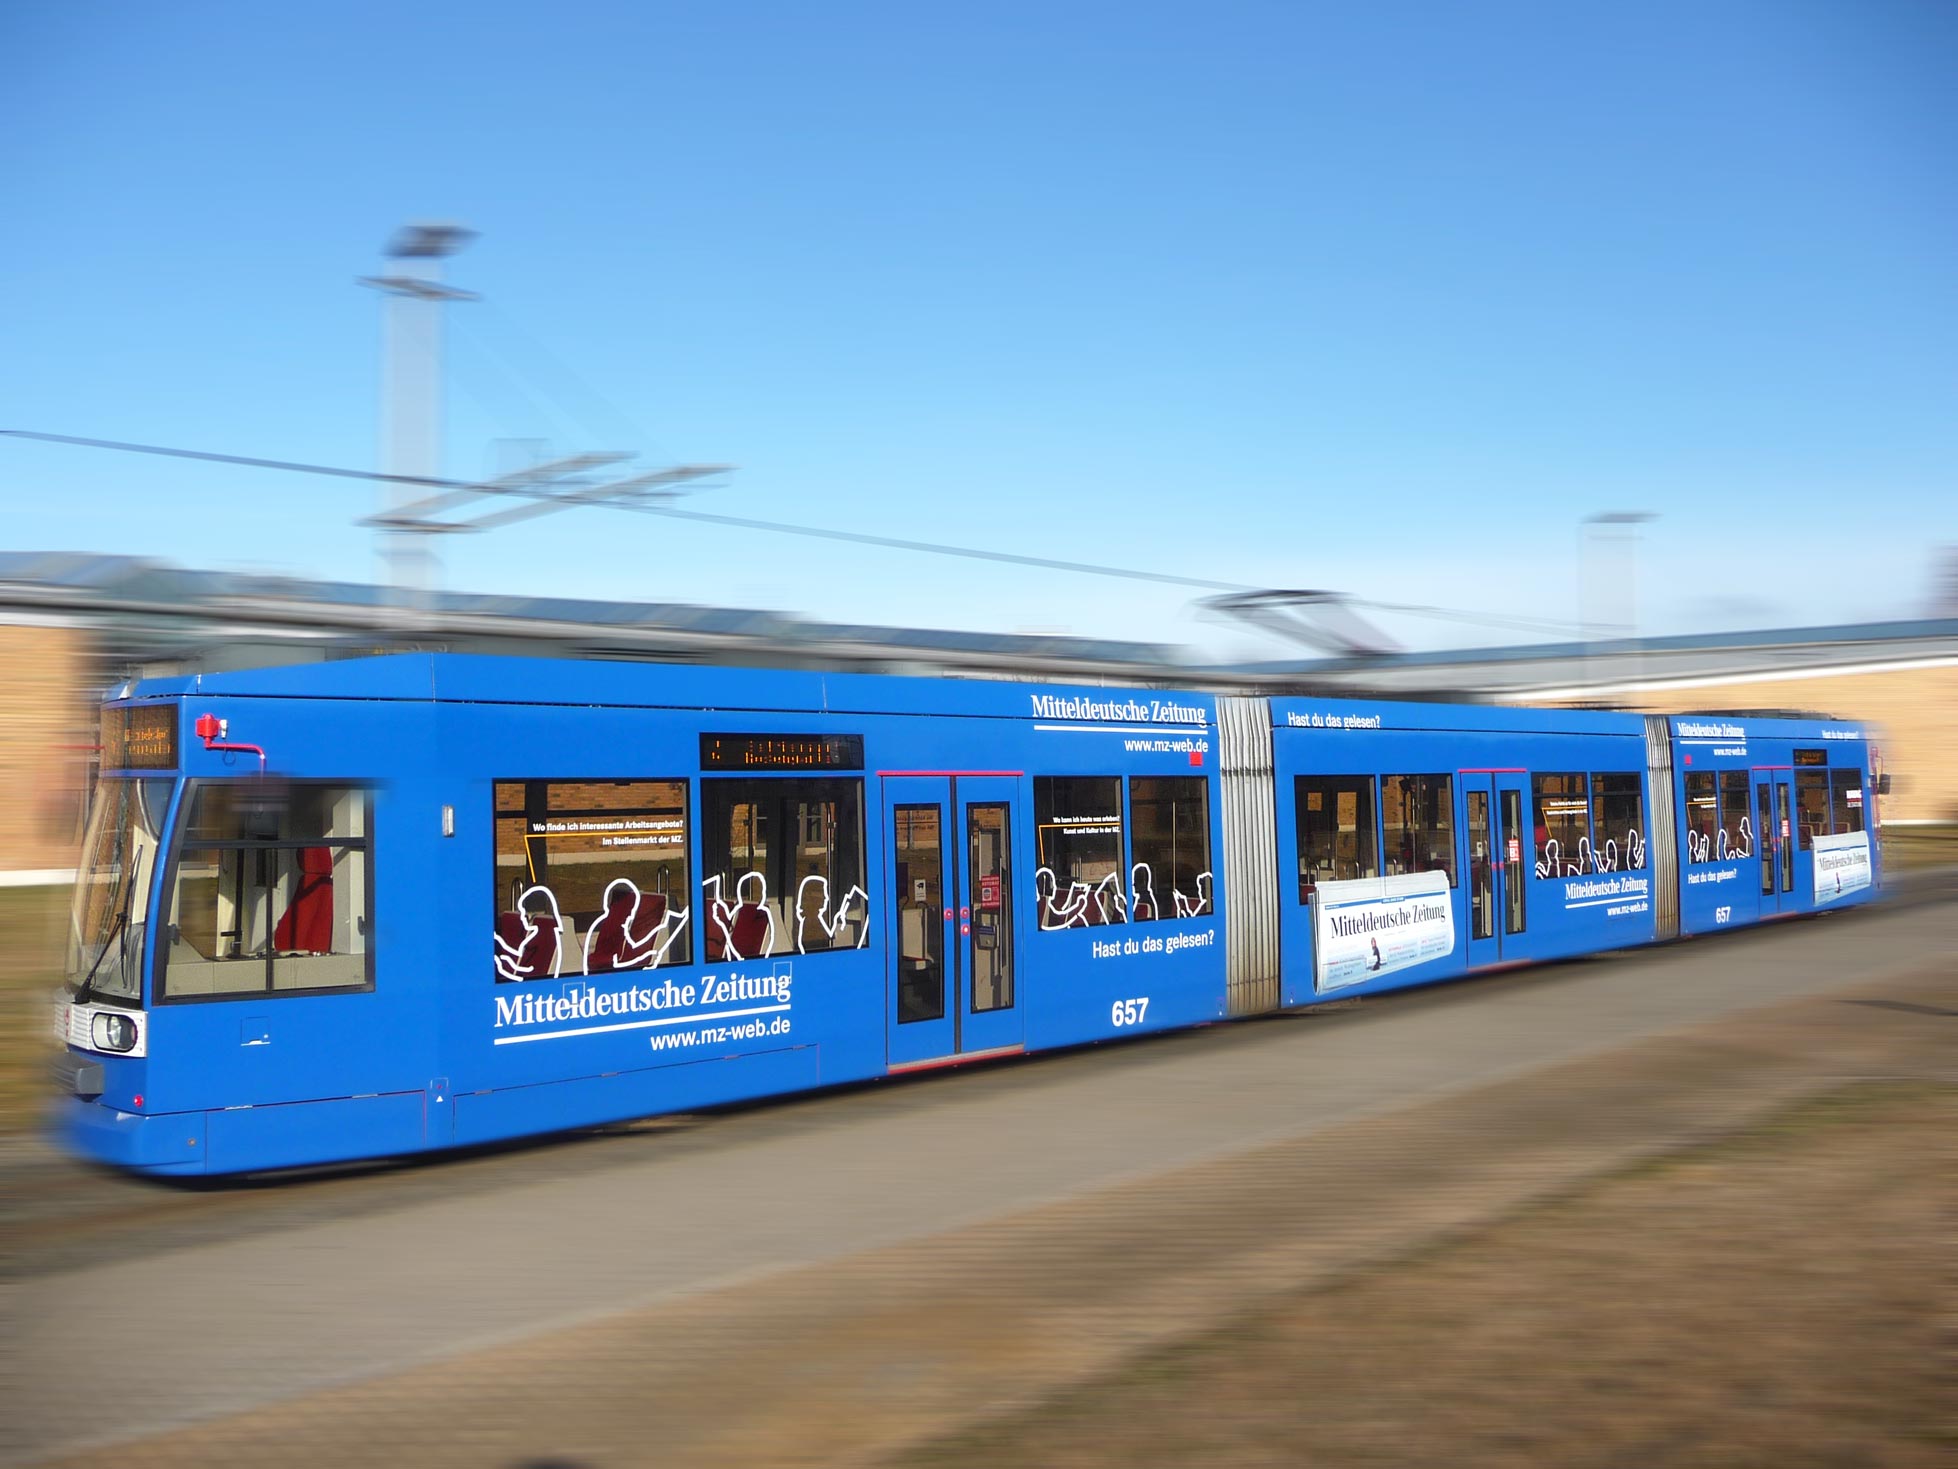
789,528
290,466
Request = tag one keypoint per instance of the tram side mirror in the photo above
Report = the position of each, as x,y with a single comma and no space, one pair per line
1883,785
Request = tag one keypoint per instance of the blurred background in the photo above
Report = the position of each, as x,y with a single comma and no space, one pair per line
1515,352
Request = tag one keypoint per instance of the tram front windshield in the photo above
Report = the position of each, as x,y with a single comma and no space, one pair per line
112,888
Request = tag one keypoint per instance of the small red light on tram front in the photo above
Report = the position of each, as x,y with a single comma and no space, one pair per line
207,727
1196,757
137,1099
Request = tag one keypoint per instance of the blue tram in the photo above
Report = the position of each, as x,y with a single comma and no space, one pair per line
393,904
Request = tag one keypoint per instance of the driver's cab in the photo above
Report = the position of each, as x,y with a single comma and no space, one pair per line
197,901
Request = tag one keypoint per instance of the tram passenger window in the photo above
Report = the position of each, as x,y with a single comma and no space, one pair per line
1736,838
591,877
1169,847
1078,840
1618,818
271,892
1417,820
918,846
1811,805
989,858
783,864
1702,815
1335,827
1563,825
1846,800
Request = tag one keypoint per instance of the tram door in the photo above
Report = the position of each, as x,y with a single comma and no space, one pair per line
953,988
1774,819
1497,887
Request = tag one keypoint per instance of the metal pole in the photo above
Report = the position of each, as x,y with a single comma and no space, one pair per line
1624,524
411,391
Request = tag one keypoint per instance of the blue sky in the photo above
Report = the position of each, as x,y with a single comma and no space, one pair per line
1377,297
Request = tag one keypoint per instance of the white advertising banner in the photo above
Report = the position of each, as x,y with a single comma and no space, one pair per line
1842,865
1375,925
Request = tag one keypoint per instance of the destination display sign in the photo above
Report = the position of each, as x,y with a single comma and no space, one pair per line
141,737
781,752
1811,757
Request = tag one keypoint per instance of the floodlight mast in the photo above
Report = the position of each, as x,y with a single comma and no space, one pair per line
411,388
411,438
1609,528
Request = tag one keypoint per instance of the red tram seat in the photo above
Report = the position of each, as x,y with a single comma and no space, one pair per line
750,930
612,938
608,939
306,927
537,959
532,958
509,928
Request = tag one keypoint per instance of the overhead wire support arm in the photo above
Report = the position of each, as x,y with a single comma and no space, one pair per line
518,482
660,484
421,290
541,498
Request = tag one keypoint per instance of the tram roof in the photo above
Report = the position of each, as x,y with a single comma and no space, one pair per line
734,693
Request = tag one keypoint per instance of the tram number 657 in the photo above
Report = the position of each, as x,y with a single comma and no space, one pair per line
1722,914
1128,1012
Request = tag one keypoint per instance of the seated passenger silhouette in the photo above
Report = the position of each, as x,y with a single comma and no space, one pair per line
615,942
527,940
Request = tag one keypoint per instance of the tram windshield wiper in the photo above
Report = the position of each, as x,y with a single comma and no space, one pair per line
111,940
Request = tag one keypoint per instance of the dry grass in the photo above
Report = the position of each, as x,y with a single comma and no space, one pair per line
30,955
1908,847
1772,1301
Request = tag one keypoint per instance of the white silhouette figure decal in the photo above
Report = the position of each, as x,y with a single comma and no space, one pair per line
750,891
513,959
636,950
1552,864
1699,846
1195,907
1107,897
829,923
1142,887
1069,912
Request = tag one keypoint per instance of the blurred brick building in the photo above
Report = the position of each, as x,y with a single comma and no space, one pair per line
45,742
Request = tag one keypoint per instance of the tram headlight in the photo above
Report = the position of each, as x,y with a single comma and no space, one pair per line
114,1033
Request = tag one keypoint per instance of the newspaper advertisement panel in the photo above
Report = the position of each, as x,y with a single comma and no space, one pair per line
1376,925
1842,865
